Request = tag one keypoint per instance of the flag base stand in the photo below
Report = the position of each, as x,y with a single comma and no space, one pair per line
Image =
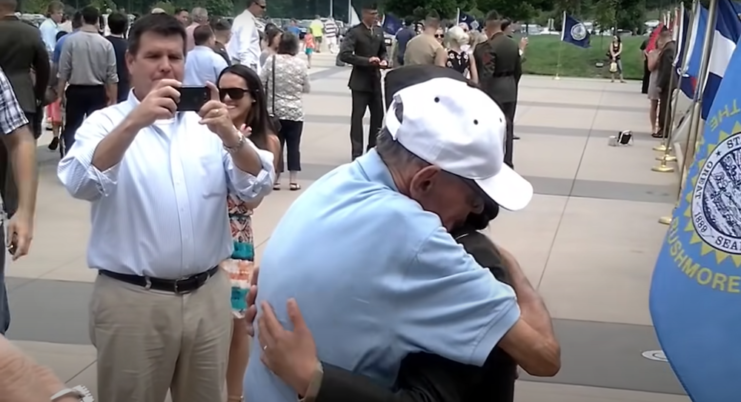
662,168
665,220
667,158
660,148
556,78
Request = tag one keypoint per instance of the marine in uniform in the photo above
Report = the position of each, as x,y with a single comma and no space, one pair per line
364,48
499,65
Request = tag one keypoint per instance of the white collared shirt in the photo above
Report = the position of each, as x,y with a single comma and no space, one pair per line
203,65
162,211
244,46
49,30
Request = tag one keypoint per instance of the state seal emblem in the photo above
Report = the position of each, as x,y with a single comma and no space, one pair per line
716,197
578,32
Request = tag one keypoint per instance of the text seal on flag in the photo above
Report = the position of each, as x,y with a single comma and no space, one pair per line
716,198
579,31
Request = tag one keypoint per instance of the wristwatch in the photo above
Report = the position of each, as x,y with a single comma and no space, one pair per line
81,392
314,385
240,143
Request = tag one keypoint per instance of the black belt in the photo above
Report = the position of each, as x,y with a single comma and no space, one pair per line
499,75
185,285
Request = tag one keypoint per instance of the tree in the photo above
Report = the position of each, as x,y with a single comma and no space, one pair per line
219,8
513,10
604,13
406,8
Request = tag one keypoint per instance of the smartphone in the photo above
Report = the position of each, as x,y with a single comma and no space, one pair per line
192,99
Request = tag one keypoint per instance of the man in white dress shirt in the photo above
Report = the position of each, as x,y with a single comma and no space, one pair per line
157,179
244,46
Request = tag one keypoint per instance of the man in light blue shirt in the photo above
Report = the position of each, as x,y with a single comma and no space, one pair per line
203,64
366,252
50,26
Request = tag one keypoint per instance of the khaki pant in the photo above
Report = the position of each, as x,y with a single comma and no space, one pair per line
149,341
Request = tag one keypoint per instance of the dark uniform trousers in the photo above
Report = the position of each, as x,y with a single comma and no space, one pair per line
81,101
499,64
359,45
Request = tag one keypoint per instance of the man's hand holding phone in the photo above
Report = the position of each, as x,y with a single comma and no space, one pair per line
161,103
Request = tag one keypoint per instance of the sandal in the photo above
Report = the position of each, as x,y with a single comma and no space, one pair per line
276,187
294,186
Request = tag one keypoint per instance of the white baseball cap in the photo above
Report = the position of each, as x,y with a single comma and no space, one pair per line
460,129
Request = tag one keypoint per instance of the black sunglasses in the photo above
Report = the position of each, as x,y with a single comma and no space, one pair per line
438,36
234,93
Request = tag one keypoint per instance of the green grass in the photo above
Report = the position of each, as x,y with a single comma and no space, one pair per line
541,57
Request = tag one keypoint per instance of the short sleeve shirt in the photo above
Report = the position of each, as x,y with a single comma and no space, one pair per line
421,49
377,278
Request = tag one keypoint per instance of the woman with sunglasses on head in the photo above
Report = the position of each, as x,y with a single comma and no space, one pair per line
286,79
242,92
459,59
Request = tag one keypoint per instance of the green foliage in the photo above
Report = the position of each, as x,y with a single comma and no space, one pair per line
514,10
219,8
420,8
604,13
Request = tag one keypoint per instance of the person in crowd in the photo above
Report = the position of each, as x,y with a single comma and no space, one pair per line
222,33
331,31
458,58
25,61
401,40
88,80
161,289
24,380
65,25
665,83
20,146
427,47
272,39
118,24
286,80
652,58
50,26
422,377
158,10
413,182
244,46
499,66
316,28
55,110
293,27
310,46
615,52
507,29
199,15
203,65
241,90
645,81
364,48
181,14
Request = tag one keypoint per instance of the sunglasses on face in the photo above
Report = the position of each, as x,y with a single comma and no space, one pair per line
438,36
234,93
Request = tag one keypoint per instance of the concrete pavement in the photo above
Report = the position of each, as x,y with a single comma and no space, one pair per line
589,239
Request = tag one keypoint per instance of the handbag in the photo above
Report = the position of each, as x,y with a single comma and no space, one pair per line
273,120
613,67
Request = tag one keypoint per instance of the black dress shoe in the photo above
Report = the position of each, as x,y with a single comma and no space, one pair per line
54,144
515,137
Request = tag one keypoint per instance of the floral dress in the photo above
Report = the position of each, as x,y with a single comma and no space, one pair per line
242,263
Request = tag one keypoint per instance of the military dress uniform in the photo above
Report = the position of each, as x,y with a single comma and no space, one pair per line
499,65
359,45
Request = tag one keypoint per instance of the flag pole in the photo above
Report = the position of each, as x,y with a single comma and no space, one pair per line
560,47
702,78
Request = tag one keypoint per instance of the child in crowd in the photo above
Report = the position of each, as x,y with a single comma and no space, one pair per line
309,46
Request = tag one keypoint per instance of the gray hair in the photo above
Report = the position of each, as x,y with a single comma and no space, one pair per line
457,36
199,15
393,153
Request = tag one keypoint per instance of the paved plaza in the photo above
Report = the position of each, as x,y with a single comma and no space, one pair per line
588,241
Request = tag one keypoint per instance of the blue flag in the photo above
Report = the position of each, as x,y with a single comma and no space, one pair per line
695,297
391,24
467,19
574,32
